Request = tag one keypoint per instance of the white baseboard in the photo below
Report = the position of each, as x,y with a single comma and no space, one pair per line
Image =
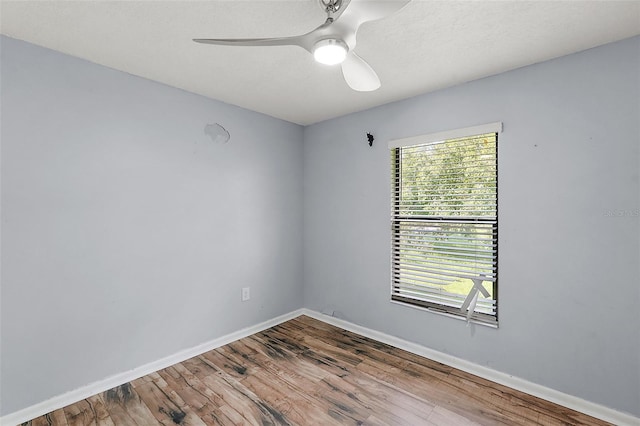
592,409
79,394
569,401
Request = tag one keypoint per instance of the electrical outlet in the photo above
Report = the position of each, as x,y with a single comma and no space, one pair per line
246,294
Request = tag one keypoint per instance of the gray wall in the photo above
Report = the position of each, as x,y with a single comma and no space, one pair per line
569,275
127,233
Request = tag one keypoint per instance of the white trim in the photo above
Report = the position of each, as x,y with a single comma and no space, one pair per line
569,401
79,394
447,134
446,314
592,409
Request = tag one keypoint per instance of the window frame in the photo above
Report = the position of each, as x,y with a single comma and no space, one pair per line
395,147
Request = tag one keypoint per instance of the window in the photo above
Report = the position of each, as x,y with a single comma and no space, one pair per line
444,219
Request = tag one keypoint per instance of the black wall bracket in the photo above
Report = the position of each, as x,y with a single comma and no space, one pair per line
370,138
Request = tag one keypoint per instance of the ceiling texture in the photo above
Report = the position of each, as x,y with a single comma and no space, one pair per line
426,46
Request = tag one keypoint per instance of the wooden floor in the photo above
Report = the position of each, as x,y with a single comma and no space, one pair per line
306,372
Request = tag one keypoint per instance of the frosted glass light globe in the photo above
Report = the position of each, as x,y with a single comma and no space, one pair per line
330,51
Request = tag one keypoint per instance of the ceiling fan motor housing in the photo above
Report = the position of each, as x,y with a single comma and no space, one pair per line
331,6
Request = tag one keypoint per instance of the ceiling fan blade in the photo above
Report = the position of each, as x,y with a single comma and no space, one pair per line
306,41
280,41
358,74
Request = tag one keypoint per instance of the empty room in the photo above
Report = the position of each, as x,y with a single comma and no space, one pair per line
320,212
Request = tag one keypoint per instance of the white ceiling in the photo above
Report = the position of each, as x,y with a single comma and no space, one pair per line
426,46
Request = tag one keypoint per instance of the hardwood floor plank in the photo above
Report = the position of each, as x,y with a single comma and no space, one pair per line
234,364
294,406
390,401
360,404
368,348
59,418
80,414
291,343
283,383
171,409
482,393
219,411
140,381
295,370
336,388
204,402
56,418
307,372
243,400
40,421
443,417
102,417
174,379
125,405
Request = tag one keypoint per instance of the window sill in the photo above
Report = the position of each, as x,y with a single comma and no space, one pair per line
461,318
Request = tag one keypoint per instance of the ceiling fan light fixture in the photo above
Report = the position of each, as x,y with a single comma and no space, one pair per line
330,51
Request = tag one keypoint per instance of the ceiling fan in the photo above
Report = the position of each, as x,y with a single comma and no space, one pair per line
333,42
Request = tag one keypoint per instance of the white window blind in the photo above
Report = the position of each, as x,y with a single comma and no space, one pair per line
445,222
